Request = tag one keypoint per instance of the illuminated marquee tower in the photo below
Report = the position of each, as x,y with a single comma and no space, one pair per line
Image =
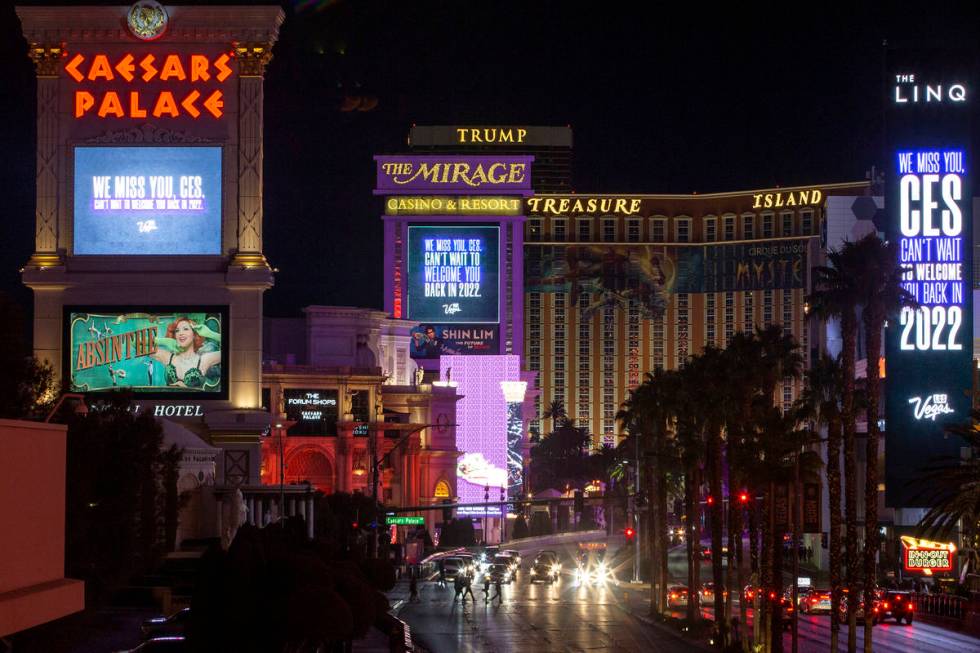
929,349
148,272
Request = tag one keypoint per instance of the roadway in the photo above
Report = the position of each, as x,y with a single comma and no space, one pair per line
567,616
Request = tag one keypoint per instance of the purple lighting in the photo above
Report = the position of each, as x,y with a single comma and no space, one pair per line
481,434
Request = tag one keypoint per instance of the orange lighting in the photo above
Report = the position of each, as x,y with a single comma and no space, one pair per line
126,68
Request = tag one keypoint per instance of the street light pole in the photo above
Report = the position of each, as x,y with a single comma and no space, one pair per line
636,515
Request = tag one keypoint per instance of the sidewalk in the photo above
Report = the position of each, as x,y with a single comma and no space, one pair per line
634,598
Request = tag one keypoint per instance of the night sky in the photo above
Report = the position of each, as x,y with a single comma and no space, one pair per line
659,103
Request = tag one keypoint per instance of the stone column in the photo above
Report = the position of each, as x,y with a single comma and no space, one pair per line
345,456
47,64
252,60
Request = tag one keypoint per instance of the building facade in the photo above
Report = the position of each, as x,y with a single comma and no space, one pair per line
619,285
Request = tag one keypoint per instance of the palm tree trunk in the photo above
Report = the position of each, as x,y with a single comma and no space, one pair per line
692,481
743,608
717,523
849,333
873,326
756,551
653,536
833,489
766,570
664,543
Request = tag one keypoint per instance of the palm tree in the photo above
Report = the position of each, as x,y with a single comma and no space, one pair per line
880,291
556,411
649,412
821,396
836,296
954,493
743,372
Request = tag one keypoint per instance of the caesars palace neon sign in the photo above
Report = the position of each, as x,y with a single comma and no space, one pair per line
193,68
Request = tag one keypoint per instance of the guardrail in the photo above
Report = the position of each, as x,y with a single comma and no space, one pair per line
947,606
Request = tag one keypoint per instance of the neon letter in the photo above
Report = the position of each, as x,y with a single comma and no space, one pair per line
135,110
188,103
83,102
125,67
72,67
223,70
172,68
111,104
215,104
165,104
199,68
147,65
100,68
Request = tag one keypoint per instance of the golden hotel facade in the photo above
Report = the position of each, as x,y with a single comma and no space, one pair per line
618,285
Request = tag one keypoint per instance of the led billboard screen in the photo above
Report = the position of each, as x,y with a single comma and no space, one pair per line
147,200
314,411
158,351
928,349
453,274
430,341
482,419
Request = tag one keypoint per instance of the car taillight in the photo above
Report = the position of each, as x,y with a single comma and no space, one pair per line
911,607
886,606
673,596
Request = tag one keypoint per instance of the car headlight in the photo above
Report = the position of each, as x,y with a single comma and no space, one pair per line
555,569
533,571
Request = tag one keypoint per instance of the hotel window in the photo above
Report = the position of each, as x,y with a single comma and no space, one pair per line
709,319
682,328
729,317
729,227
584,230
657,327
682,230
766,307
558,229
806,223
788,312
710,230
767,219
748,226
659,230
787,397
534,230
748,312
788,224
633,230
609,230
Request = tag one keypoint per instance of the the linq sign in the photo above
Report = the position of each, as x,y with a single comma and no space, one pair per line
147,84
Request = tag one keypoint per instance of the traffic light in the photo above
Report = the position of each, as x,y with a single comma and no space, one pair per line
710,500
353,525
629,532
743,497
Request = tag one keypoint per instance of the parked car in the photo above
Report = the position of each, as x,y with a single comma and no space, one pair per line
161,645
676,596
498,571
815,601
172,626
897,605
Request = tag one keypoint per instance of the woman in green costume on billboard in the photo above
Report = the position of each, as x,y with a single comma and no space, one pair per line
190,354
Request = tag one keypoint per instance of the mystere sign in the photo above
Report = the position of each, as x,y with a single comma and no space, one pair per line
453,274
474,175
929,349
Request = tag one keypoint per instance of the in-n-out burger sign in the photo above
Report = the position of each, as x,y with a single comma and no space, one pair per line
926,556
131,74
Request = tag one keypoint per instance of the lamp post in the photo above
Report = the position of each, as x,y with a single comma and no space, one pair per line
636,515
80,409
514,396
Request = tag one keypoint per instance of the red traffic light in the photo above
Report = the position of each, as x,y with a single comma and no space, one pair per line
629,532
743,497
354,525
710,500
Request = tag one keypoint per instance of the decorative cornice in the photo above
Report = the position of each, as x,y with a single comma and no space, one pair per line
253,58
47,58
147,133
188,24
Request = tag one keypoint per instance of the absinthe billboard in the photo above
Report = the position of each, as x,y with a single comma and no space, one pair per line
929,348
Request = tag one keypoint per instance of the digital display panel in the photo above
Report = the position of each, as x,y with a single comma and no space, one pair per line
926,556
154,351
453,274
147,200
314,411
928,202
430,341
481,435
